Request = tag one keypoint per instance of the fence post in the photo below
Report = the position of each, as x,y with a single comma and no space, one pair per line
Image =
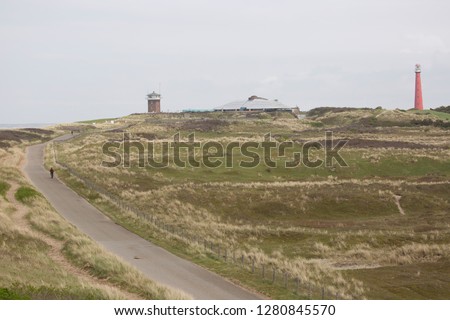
323,293
263,271
218,251
297,284
273,275
242,261
253,265
285,280
309,291
226,254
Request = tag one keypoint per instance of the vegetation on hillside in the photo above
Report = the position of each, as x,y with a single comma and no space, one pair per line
9,138
333,226
445,109
45,257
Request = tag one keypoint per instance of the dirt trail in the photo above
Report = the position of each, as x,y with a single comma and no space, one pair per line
397,202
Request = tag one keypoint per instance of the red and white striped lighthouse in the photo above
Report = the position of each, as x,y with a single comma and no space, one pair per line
418,102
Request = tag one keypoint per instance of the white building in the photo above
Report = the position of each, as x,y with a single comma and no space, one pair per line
254,103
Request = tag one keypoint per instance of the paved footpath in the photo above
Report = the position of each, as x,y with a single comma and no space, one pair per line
155,262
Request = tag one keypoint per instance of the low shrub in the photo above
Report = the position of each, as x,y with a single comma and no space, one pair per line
25,193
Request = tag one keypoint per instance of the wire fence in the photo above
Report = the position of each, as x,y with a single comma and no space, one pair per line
265,272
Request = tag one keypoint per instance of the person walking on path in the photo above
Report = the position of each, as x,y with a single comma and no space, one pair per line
51,172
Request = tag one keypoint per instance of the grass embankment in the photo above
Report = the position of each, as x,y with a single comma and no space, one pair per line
97,121
28,272
26,136
437,114
334,226
45,257
85,254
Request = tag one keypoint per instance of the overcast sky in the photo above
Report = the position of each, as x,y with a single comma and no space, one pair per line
70,60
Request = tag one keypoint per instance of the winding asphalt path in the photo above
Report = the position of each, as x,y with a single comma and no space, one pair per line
155,262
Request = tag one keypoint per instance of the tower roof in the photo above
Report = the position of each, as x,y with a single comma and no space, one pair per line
153,95
418,69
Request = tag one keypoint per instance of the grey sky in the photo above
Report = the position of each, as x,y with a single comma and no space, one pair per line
73,60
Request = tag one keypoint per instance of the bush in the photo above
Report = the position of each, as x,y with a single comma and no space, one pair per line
6,294
316,124
25,193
